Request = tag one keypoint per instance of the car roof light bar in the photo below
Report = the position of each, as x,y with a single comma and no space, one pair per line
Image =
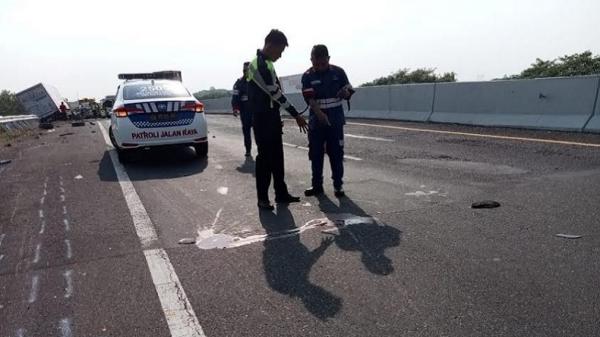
157,75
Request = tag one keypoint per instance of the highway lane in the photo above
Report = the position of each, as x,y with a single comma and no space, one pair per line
410,257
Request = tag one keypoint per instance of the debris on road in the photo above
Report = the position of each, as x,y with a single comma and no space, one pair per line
79,176
46,126
93,131
485,204
92,123
569,236
66,134
187,241
5,161
78,123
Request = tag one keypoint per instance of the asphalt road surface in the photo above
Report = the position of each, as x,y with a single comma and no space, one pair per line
91,247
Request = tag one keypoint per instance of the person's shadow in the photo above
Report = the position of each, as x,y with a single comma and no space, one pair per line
248,166
287,264
358,231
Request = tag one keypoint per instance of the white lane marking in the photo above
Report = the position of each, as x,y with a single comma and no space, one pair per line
65,327
69,280
36,258
1,257
480,135
67,225
41,214
2,236
45,192
42,200
43,227
35,283
306,149
62,190
369,138
141,221
223,190
64,209
21,332
69,251
178,311
62,198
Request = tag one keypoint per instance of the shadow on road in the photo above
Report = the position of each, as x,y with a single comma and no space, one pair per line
287,263
161,163
369,238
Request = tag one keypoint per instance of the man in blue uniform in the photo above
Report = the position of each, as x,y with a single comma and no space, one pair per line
239,105
264,100
324,87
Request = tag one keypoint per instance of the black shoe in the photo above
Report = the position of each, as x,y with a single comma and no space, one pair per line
313,191
265,205
339,193
286,199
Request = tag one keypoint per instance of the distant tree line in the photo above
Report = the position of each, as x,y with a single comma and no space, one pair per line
9,105
404,76
569,65
212,93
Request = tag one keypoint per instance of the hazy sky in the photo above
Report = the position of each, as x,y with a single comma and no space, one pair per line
80,46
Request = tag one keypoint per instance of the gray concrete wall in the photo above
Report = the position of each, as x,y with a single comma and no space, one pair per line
566,103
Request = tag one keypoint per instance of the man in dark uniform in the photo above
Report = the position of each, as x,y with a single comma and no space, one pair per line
324,87
239,105
264,101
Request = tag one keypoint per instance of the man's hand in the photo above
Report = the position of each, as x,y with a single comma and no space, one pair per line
344,93
322,117
236,113
301,124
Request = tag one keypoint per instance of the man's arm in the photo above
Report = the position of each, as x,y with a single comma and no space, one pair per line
308,92
235,99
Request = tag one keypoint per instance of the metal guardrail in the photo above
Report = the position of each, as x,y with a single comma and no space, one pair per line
20,122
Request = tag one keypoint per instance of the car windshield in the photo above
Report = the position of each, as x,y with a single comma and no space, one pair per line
154,90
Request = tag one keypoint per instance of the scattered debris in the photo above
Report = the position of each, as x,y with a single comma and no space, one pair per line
187,241
569,236
66,134
93,131
79,176
214,137
485,204
5,161
46,126
8,145
92,123
78,123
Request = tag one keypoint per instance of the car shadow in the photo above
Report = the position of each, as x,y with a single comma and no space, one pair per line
359,232
160,163
287,264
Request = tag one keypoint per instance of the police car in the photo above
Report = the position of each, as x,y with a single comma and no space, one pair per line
155,109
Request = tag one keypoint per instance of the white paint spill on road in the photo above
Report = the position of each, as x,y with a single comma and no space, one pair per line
64,210
41,214
306,149
79,176
43,227
69,251
35,283
65,327
69,280
177,310
36,258
67,225
368,137
223,190
208,239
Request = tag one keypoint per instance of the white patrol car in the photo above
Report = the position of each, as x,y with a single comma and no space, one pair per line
155,109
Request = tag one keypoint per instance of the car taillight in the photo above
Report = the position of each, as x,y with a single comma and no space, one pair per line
123,111
195,106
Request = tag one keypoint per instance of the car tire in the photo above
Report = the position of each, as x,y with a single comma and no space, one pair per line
201,150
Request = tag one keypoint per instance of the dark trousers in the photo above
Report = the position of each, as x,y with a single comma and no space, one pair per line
269,161
330,139
246,118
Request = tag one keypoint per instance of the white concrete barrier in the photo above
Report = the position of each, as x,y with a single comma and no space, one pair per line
552,103
593,125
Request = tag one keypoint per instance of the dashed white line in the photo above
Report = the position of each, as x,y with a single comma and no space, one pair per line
62,198
368,137
62,190
69,280
69,251
1,257
35,283
42,227
36,258
178,312
306,149
2,238
21,332
41,214
65,327
65,210
67,225
42,200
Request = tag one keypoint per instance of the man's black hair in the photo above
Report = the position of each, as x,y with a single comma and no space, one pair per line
276,37
319,51
246,64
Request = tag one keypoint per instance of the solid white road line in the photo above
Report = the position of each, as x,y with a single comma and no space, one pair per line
69,280
36,258
306,149
480,135
367,137
35,283
69,250
178,312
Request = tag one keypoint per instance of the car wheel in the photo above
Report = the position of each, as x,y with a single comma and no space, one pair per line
112,138
201,149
